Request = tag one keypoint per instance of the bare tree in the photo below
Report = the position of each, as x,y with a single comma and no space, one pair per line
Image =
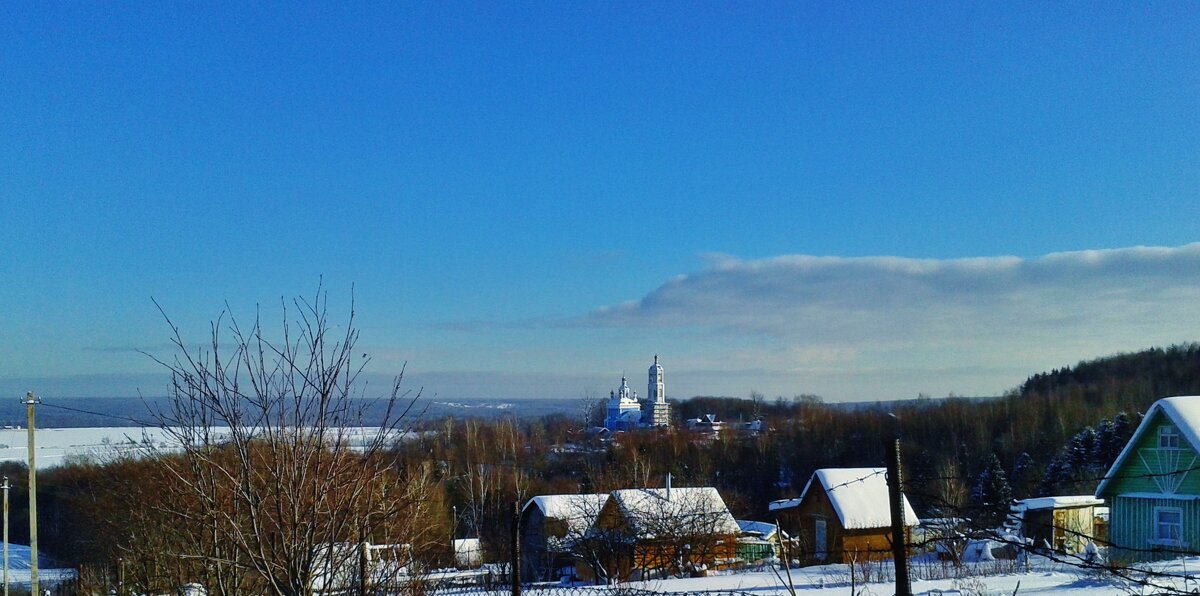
572,532
592,409
276,460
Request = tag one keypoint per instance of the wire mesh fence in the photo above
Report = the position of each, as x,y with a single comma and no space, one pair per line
553,590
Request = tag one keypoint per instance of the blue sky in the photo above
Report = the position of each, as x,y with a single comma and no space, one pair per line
862,201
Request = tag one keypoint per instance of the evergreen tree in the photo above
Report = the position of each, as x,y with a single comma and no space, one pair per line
991,493
1024,476
1081,452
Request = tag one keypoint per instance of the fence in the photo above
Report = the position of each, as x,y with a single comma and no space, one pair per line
542,590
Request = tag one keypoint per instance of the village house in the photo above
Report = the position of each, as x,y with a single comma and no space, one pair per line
655,532
842,516
552,527
1153,494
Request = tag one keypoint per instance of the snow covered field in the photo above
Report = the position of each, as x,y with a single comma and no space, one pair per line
56,445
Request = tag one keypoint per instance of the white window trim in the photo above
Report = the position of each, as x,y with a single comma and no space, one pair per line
1168,430
1156,541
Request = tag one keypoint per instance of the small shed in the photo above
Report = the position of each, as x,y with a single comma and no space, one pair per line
1066,523
843,515
758,541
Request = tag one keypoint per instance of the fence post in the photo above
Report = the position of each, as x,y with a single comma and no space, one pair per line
362,562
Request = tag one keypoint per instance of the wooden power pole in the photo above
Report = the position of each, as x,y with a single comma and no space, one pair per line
516,550
896,498
30,401
5,486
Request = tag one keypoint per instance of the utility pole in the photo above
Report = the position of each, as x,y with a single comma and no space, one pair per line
30,401
516,550
5,486
896,497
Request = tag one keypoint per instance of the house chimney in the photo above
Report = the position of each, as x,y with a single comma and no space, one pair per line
668,486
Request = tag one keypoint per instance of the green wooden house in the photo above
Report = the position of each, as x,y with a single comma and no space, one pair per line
1153,488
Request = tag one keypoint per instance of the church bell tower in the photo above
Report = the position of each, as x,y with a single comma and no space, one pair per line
656,392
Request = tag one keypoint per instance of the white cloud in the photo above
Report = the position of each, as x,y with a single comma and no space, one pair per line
900,318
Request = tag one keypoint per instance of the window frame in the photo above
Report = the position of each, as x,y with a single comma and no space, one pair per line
1156,532
1169,432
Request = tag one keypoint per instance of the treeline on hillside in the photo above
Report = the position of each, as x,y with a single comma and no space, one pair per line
1140,377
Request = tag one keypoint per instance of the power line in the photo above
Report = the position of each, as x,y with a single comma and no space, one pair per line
113,416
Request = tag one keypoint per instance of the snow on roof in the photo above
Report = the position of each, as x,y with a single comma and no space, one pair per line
1057,502
1183,410
579,511
764,529
859,497
651,513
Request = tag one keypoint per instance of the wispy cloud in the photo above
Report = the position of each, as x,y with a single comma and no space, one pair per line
846,328
895,300
908,319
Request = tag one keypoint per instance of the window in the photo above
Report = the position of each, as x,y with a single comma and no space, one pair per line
1168,526
1168,437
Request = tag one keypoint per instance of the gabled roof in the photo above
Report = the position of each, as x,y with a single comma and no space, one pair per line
859,496
1183,410
650,513
578,511
1059,502
764,529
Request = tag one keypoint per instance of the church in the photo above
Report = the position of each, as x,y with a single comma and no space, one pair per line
626,411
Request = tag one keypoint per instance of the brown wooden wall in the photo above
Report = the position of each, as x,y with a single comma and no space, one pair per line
842,545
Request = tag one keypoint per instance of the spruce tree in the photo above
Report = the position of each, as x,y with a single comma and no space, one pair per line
991,494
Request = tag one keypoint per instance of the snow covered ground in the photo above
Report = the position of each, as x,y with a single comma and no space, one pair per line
987,579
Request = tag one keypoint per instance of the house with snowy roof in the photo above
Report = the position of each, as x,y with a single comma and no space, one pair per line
552,528
842,515
1153,487
758,541
655,532
1065,524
